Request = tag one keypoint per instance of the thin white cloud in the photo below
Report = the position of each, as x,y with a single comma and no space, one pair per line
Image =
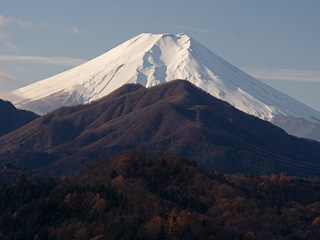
285,74
47,25
65,61
4,20
9,20
193,29
3,36
24,24
4,77
76,31
12,46
7,43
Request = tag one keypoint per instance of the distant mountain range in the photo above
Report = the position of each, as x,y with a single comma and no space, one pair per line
12,118
176,116
150,59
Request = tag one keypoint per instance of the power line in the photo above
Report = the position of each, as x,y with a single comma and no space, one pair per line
305,166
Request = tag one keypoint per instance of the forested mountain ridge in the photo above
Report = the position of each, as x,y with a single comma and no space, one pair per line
140,195
175,116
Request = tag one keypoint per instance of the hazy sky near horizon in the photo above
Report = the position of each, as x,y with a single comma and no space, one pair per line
276,41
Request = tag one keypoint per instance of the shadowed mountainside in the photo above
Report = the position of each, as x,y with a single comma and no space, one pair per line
12,118
298,126
176,117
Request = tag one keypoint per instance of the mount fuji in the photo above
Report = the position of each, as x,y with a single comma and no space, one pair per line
151,59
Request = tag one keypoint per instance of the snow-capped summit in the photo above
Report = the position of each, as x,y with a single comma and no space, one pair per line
151,59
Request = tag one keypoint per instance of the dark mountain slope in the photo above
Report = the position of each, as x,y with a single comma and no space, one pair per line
12,118
175,116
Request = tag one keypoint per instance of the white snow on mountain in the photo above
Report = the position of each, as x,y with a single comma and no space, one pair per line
151,59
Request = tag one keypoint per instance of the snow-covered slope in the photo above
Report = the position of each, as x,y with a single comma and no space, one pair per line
150,59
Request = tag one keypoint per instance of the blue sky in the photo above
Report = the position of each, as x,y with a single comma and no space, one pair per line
276,41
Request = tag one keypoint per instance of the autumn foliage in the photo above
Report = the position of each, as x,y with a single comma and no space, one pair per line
139,195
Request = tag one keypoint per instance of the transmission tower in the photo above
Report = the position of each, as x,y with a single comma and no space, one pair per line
198,109
49,145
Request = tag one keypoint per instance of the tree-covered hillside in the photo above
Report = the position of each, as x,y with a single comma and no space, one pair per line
160,196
